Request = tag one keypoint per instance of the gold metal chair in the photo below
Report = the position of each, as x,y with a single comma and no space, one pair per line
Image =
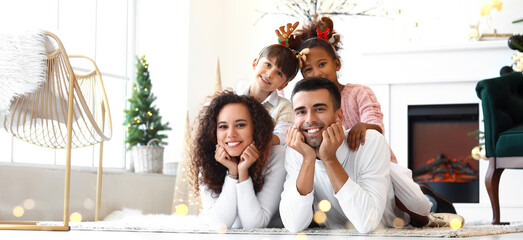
69,110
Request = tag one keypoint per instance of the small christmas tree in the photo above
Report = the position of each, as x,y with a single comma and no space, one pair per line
143,120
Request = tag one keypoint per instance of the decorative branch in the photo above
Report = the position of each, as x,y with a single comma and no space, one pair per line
307,10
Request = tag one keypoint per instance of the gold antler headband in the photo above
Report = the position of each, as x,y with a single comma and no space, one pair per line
283,36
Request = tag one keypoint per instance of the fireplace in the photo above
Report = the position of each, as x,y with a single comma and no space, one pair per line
439,149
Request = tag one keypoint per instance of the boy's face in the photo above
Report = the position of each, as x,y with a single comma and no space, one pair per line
320,64
313,113
267,76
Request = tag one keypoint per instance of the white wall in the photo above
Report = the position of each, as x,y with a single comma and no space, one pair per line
162,35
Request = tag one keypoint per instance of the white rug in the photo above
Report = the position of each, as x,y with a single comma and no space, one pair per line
134,220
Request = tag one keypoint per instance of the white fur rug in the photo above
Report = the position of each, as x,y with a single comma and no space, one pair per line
22,65
134,220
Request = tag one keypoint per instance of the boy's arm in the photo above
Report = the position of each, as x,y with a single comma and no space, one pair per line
278,134
283,118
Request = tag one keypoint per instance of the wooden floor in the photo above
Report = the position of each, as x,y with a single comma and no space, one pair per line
99,235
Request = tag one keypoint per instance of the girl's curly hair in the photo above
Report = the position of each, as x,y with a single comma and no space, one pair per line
203,167
307,37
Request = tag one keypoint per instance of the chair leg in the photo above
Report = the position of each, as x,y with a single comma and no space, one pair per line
99,184
492,184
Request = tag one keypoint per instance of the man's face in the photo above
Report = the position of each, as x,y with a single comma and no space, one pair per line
313,113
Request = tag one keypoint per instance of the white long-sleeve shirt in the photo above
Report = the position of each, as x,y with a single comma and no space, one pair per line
364,200
238,206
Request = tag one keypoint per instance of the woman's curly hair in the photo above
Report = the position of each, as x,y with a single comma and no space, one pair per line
307,37
203,167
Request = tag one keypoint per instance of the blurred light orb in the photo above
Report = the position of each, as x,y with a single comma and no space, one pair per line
324,205
221,228
320,217
476,152
455,223
76,217
29,204
18,211
398,223
88,204
301,236
182,209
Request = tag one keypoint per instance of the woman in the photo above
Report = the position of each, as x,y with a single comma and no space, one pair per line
233,167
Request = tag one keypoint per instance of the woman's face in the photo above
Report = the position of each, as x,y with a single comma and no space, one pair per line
234,128
320,64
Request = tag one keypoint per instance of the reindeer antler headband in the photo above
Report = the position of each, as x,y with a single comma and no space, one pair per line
283,39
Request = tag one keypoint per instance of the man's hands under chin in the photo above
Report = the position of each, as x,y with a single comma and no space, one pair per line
333,137
296,141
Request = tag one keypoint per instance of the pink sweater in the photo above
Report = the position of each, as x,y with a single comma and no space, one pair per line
359,104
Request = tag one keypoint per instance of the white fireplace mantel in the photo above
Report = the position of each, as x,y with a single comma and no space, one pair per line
423,63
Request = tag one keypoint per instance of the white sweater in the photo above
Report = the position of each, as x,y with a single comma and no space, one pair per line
238,206
365,199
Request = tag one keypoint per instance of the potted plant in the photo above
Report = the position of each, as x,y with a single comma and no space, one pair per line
144,124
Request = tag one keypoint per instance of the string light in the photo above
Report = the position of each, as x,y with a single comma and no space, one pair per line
455,223
324,205
18,211
182,209
320,217
29,204
398,223
76,217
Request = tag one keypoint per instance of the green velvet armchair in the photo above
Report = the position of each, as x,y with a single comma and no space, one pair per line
502,102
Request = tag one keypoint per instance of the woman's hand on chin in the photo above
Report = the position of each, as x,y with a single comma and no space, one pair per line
225,159
247,159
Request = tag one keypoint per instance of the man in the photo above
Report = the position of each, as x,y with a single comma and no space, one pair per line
320,166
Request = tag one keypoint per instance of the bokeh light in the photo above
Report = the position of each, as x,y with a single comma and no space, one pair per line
320,217
398,223
88,204
29,204
455,223
301,236
221,228
76,217
182,209
18,211
324,205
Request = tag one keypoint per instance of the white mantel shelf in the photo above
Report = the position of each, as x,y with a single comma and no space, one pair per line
426,63
438,47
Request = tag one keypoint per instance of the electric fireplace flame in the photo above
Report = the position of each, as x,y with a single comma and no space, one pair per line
444,169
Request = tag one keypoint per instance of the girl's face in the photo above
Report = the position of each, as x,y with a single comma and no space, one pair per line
320,64
234,128
267,76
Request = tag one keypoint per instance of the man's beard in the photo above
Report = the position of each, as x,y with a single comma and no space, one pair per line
315,141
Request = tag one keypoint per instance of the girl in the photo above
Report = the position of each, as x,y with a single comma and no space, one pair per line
361,111
237,173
